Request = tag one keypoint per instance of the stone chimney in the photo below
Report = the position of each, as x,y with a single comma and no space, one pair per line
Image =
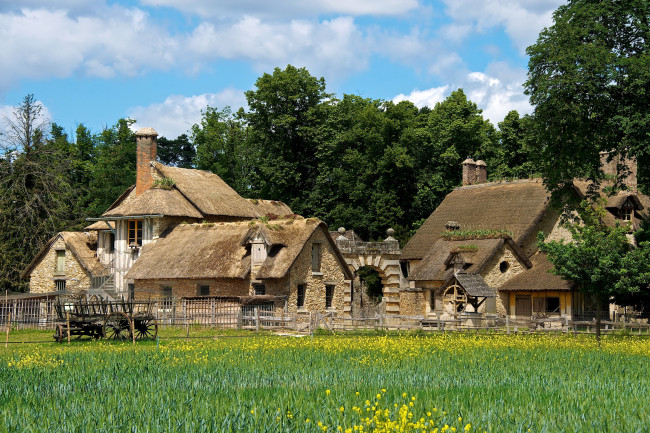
481,171
469,172
611,168
146,150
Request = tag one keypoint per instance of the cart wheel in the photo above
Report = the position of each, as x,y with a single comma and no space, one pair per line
145,328
59,333
117,326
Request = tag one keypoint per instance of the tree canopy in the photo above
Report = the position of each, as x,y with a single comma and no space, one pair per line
588,80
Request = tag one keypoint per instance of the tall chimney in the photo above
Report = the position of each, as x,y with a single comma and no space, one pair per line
481,171
146,153
469,172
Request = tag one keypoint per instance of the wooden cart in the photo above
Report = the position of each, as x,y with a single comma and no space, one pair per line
97,318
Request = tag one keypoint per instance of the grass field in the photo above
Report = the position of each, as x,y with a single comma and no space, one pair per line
384,383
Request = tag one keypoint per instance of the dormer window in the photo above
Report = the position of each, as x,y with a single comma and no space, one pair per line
258,250
626,214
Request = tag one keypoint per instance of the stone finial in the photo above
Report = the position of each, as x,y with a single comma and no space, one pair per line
341,237
390,232
341,230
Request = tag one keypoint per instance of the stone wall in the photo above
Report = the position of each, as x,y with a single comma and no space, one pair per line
44,273
412,303
152,289
495,276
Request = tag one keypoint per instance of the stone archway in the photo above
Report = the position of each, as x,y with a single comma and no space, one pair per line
382,257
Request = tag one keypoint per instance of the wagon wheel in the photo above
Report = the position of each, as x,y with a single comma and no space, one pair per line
454,299
145,328
59,333
117,326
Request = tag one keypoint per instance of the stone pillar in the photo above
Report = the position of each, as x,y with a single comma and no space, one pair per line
146,153
481,171
469,172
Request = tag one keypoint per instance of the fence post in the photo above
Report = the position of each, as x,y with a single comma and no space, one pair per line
507,324
257,319
8,328
67,319
310,319
212,312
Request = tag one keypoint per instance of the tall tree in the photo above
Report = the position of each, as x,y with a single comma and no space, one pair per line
178,152
284,121
510,156
35,195
588,80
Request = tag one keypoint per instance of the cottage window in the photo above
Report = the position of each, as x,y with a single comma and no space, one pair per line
259,289
626,214
329,296
432,300
300,302
135,233
315,257
131,287
60,262
204,290
166,297
60,285
546,305
110,243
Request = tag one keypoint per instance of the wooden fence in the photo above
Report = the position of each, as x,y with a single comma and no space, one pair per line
230,313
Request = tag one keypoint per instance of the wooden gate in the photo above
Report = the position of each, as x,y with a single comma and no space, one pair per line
523,306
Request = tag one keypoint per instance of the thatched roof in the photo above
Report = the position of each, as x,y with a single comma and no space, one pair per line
514,206
437,264
220,250
265,208
615,202
156,201
208,192
475,285
82,245
537,278
101,225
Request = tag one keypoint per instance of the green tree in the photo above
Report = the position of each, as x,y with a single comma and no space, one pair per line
36,198
588,80
223,147
510,156
114,168
599,259
178,152
284,121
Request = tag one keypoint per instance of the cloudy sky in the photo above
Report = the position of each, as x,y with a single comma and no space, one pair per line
162,61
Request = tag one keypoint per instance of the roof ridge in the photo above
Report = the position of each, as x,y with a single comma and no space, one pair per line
500,182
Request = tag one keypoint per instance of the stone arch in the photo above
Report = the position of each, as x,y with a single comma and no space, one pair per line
388,268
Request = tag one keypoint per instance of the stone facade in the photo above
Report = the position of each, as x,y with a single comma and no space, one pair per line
44,274
499,269
412,303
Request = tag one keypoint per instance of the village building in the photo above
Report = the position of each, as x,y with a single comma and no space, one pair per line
482,240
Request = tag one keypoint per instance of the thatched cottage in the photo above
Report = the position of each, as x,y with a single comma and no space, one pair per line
293,262
176,210
489,230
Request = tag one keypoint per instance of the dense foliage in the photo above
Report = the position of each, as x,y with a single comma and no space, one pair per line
388,383
588,80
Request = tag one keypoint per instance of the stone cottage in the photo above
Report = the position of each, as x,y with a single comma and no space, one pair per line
293,263
489,230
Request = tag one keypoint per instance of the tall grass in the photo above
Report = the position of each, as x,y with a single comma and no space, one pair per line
493,383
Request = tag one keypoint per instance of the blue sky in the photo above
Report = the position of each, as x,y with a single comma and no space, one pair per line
162,61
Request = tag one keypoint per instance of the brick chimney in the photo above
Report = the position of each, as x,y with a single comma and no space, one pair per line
146,151
481,171
469,172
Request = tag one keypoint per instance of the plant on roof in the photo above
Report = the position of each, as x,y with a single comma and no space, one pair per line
264,219
465,248
461,235
164,183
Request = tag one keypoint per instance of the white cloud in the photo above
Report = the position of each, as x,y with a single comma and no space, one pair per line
43,43
176,114
332,47
287,8
496,91
521,19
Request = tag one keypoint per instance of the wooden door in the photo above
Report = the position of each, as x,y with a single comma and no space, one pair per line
523,306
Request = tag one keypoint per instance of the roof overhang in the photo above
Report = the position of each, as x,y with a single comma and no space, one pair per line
129,217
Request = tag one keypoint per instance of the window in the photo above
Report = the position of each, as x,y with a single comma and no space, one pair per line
546,305
60,262
626,214
329,296
60,285
135,233
259,289
166,297
204,290
432,300
301,296
110,243
315,257
504,266
131,287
